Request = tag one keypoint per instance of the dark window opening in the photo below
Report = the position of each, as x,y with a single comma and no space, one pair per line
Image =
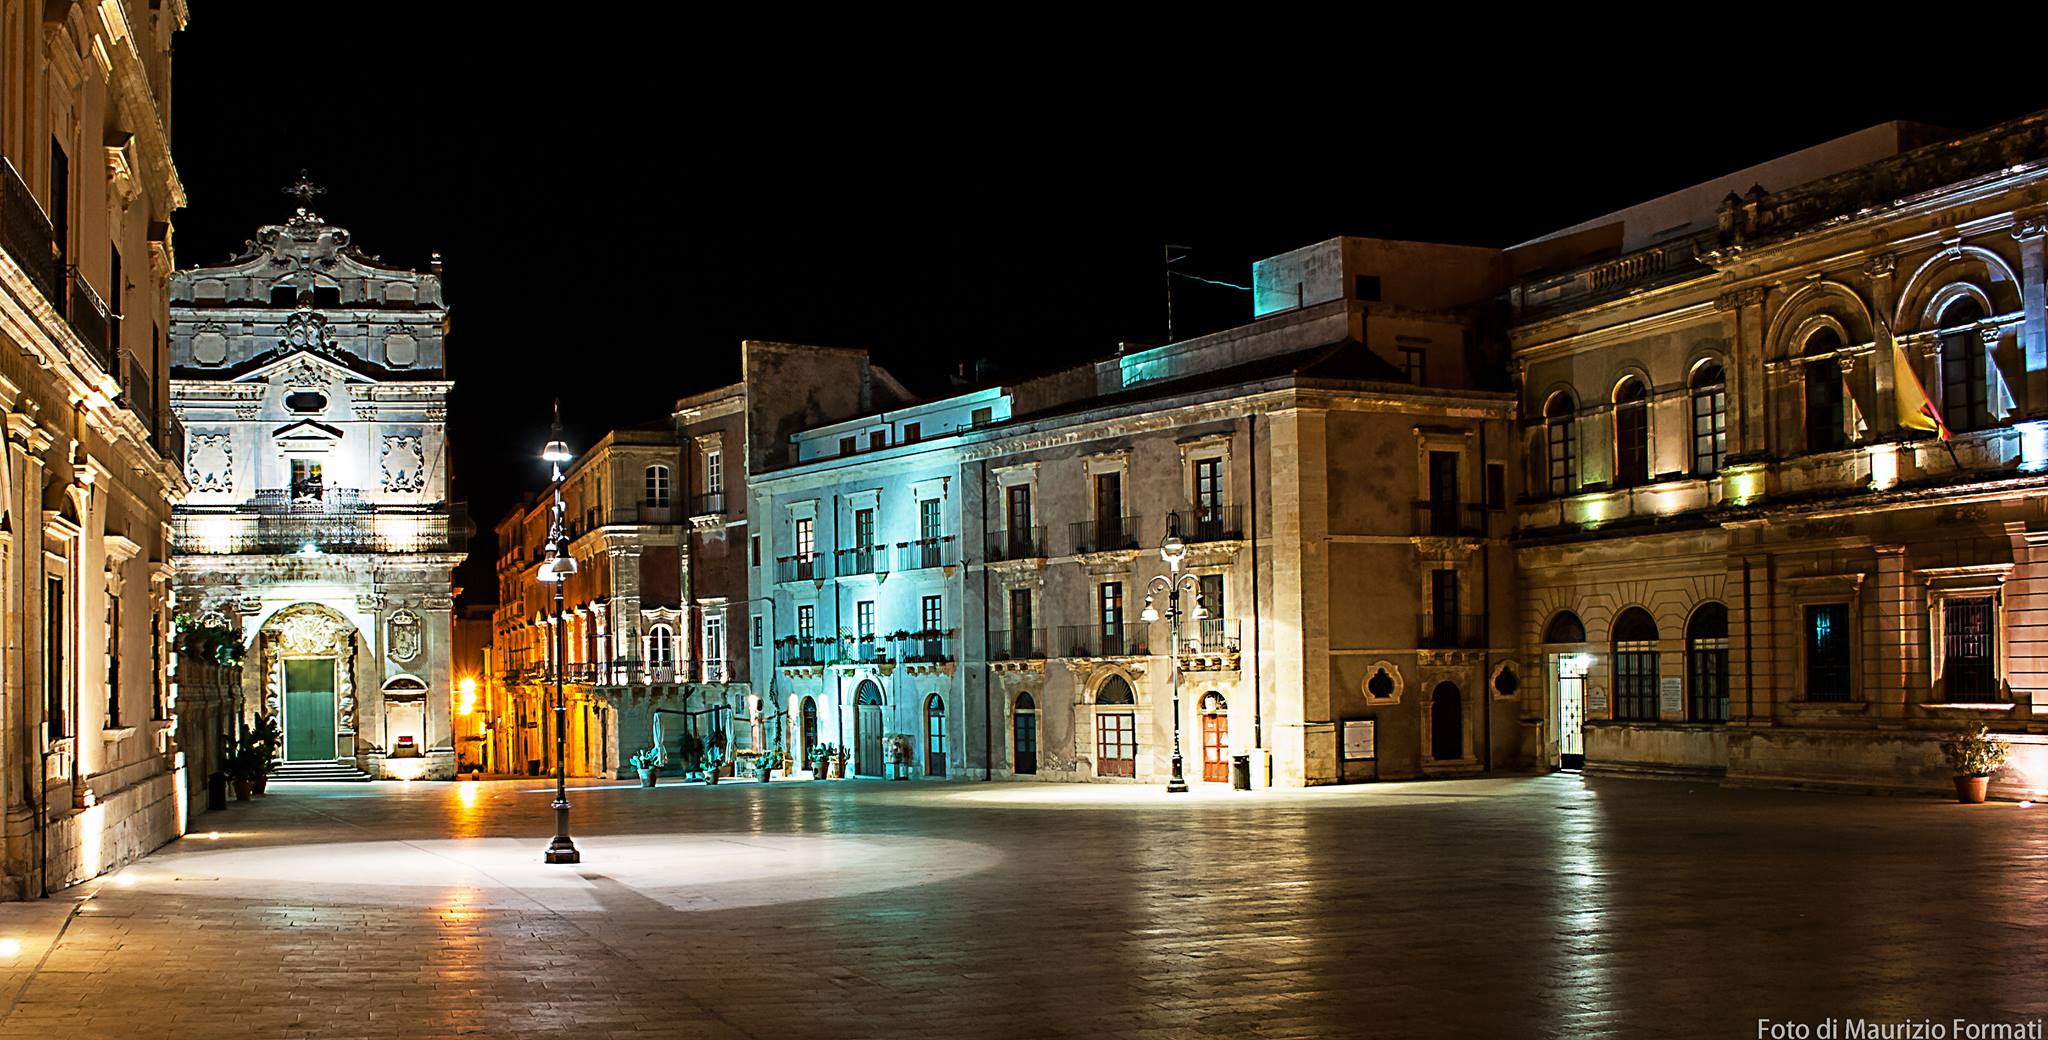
326,296
306,401
1415,364
285,295
877,440
1706,657
1496,485
1965,367
1968,651
1366,287
912,432
1635,666
1631,434
1827,652
848,445
1825,418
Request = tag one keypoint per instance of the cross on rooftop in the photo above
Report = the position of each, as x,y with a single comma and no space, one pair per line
305,190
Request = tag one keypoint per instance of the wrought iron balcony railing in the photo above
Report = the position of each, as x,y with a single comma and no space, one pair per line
927,647
1024,543
1450,631
89,317
802,651
927,552
1105,535
1016,644
709,504
1101,641
801,567
1212,524
860,559
1449,519
28,237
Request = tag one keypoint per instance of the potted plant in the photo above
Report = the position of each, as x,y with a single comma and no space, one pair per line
821,759
648,763
1974,756
838,763
242,767
690,753
766,763
264,739
716,760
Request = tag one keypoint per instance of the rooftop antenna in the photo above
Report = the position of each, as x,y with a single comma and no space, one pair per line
1167,268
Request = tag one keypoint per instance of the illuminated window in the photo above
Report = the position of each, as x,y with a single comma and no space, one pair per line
661,647
1826,422
306,486
1631,433
714,472
1964,367
1635,666
1561,441
714,649
1709,419
1969,657
1706,663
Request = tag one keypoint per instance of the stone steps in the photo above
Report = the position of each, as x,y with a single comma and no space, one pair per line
339,771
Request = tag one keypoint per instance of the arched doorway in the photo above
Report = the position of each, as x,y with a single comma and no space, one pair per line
1024,736
808,714
1215,738
1565,637
1116,729
306,650
867,729
934,736
1446,723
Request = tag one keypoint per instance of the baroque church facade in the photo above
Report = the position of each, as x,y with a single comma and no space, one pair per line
312,381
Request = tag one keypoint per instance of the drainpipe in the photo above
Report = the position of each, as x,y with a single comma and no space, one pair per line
1251,433
838,680
988,720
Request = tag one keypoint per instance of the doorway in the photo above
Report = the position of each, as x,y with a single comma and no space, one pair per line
1571,708
1446,723
1024,736
867,730
1215,739
309,709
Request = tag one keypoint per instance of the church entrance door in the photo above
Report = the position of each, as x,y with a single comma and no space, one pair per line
309,709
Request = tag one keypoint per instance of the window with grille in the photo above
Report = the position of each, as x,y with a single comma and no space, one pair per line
1631,434
1969,655
1827,652
1964,367
1561,443
1706,664
1635,666
806,623
1709,420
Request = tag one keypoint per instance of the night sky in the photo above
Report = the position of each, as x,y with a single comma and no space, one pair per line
616,213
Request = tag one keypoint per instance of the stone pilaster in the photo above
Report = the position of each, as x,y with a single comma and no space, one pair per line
2034,304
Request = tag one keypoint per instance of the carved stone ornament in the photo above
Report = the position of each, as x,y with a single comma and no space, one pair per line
210,463
305,330
404,637
304,376
404,464
308,634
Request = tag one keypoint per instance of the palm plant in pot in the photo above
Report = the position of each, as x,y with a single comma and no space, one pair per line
264,740
1974,756
648,764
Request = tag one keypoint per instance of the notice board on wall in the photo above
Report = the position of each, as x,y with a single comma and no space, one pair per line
1671,696
1358,739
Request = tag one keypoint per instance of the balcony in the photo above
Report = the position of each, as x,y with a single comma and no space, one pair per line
802,652
711,504
861,559
137,390
801,567
316,534
1210,644
1101,641
929,647
1450,631
655,513
310,499
1016,644
1452,519
1214,524
90,318
170,439
926,552
867,650
1090,536
27,237
1021,544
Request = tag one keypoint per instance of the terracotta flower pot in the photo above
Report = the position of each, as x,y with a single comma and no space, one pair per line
1970,790
243,789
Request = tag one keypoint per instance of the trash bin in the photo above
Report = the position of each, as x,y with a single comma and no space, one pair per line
1241,772
216,790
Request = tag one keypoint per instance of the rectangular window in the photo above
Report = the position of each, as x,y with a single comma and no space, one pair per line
934,613
1110,612
1827,652
156,666
1365,287
1496,485
864,528
114,295
657,486
928,520
981,417
714,649
1631,443
1213,627
1969,656
757,631
1020,623
1443,607
1209,490
848,445
806,623
1561,437
805,546
864,619
1443,492
1109,511
714,472
1116,743
913,432
1709,429
1415,364
305,481
113,662
53,659
60,202
1708,667
1635,680
1021,545
877,440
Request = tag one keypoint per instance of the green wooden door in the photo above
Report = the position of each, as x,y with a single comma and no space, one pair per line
309,709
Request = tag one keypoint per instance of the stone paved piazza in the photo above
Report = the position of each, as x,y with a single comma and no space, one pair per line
1513,908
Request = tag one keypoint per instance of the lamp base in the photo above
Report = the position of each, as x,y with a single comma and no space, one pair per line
1176,787
564,854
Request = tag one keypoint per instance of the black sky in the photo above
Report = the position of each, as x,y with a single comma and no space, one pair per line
620,203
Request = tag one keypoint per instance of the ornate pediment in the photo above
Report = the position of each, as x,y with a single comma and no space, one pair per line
306,437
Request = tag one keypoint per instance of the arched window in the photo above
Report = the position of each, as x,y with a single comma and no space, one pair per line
1635,665
1631,433
1826,424
1565,627
1446,723
934,736
1706,663
661,647
1116,729
657,486
1561,443
809,714
1709,419
1024,736
1965,389
1215,714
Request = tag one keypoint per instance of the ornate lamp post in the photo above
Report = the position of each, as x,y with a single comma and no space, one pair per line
1174,552
555,568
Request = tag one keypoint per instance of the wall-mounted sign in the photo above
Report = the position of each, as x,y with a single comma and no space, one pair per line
1671,696
1358,739
1596,703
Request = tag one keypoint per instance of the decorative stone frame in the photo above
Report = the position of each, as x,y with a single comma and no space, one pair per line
1513,668
1437,438
1003,478
1425,715
706,445
1818,590
1200,449
1393,672
1969,582
1117,462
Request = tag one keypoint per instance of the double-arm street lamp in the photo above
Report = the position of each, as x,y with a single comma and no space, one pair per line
555,568
1174,551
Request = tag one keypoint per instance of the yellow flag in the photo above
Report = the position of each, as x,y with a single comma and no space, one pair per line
1916,409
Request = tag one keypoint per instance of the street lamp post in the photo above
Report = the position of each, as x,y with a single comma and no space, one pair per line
1174,551
555,568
